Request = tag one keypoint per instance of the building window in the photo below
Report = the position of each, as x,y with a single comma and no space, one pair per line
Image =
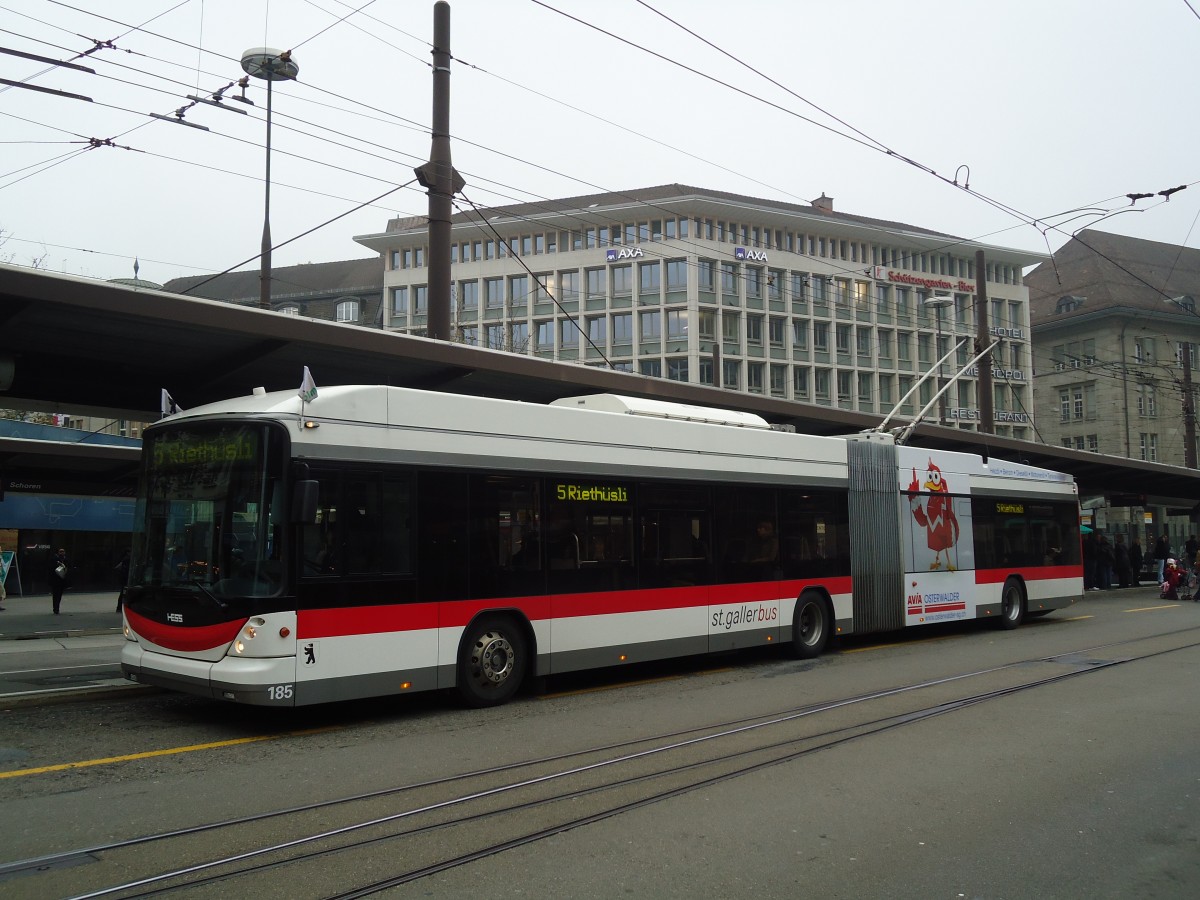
651,325
821,385
649,279
705,274
622,280
597,283
730,330
347,311
677,369
1147,401
622,328
676,275
706,322
568,286
518,337
729,275
775,330
800,383
753,276
651,367
569,333
754,378
400,301
545,334
597,328
420,299
468,294
799,334
754,330
821,337
495,337
778,375
493,292
518,291
842,337
844,381
731,374
677,325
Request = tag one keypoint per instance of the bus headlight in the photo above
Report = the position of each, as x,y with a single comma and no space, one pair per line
249,633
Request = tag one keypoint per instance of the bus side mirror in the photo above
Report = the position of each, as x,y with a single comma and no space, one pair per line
305,495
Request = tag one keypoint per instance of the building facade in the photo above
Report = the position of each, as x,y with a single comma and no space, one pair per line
1115,327
348,290
785,300
1112,319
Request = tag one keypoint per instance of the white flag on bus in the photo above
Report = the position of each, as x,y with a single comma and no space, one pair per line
169,406
308,387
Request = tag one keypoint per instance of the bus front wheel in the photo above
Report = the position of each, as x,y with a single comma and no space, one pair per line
1012,605
810,626
491,661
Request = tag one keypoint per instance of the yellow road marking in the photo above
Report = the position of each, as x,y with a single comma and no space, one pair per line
1077,618
170,751
1152,608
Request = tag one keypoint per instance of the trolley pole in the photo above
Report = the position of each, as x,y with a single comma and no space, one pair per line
440,179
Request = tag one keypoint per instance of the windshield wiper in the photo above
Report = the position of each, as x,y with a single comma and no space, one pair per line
196,582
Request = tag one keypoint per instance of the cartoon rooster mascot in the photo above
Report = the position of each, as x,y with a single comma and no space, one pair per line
937,517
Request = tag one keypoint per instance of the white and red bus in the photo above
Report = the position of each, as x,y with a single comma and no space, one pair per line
380,540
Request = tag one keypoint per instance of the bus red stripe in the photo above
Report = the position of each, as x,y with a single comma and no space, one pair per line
323,623
1040,573
177,637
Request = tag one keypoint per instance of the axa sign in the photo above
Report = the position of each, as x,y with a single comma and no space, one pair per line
743,253
625,253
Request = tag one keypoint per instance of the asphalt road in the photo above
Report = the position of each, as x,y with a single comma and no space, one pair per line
1058,760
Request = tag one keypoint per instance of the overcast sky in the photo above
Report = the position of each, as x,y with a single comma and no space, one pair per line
1056,108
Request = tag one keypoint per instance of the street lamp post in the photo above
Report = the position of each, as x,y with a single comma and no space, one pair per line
271,66
938,303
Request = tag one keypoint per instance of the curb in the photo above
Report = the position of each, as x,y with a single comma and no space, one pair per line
81,632
74,695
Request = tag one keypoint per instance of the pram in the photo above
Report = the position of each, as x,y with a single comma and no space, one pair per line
1179,583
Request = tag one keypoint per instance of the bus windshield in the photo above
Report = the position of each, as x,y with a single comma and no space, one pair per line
209,511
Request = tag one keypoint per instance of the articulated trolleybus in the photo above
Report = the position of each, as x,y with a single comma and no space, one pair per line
380,540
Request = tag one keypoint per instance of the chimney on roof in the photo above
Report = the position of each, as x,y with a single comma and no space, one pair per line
823,203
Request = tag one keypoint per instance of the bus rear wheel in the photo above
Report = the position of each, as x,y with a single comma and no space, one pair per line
1012,605
491,661
810,626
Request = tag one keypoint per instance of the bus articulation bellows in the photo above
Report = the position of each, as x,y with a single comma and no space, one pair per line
382,540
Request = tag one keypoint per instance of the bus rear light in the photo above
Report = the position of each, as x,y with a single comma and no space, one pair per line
621,657
284,631
405,685
239,647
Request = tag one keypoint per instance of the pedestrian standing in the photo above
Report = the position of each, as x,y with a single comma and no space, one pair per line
60,577
1105,561
1121,562
1162,552
122,570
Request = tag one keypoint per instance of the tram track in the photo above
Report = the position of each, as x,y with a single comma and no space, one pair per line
494,811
